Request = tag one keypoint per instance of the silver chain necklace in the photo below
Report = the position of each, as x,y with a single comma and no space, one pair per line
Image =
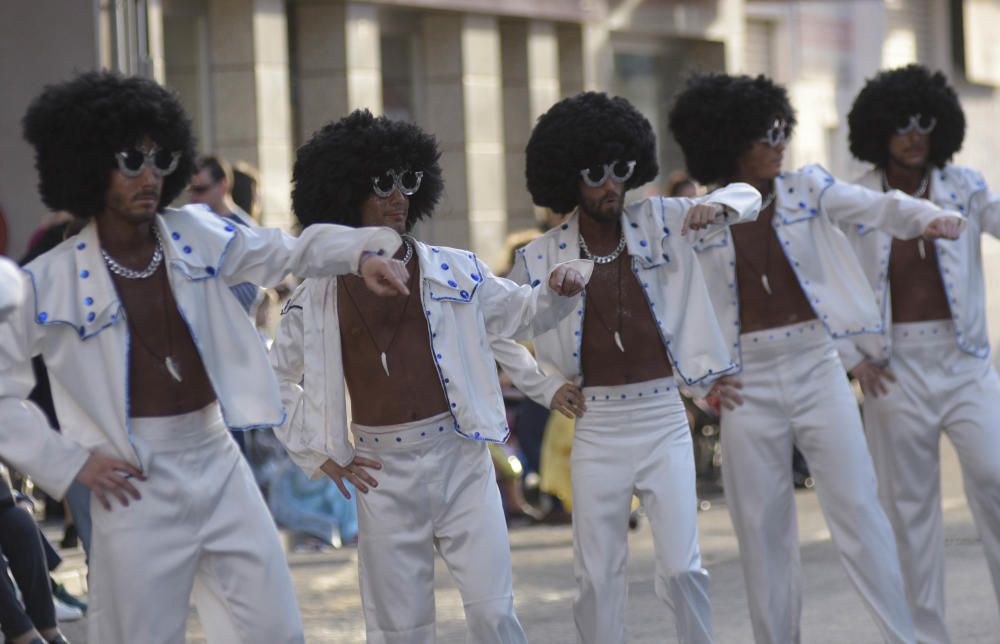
409,249
603,259
921,189
131,273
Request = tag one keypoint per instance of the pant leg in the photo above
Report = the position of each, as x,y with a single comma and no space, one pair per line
396,552
829,432
471,536
78,499
243,590
903,433
603,479
20,544
21,541
142,566
974,429
665,484
757,479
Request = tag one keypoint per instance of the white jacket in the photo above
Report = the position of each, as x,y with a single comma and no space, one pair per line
72,317
960,262
466,306
809,205
12,288
665,265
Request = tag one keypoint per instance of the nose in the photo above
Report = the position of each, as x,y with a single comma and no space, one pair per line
149,177
398,198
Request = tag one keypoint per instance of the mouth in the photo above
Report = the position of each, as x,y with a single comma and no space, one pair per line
146,199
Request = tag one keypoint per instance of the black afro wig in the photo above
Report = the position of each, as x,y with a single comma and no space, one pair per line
889,99
716,118
578,132
334,169
78,126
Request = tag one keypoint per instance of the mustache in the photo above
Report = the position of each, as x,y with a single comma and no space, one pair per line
146,194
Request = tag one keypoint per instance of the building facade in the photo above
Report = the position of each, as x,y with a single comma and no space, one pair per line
259,76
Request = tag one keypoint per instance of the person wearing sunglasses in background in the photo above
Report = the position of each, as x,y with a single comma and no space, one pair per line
211,186
930,372
781,287
422,382
150,358
645,325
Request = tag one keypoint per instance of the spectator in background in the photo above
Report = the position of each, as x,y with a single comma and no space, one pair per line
679,184
34,621
245,189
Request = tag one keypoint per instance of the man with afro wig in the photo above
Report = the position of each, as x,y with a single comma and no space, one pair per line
645,326
421,379
930,372
782,286
151,358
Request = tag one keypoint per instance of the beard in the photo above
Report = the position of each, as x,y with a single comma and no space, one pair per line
606,209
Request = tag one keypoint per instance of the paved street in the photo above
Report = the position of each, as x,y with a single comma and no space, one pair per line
543,581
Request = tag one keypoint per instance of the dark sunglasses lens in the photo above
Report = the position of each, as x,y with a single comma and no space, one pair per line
409,181
620,169
133,160
595,173
163,160
384,182
926,122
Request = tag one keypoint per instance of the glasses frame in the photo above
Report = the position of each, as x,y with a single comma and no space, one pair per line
914,124
397,183
609,171
779,132
148,161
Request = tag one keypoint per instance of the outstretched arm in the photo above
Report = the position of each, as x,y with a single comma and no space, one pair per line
266,255
523,312
894,212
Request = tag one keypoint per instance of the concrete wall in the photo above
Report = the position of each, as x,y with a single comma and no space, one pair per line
41,42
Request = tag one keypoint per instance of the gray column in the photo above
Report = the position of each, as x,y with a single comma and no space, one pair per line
464,110
250,104
531,86
338,60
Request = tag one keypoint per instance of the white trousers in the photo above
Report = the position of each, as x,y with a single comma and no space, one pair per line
796,392
635,439
436,490
939,389
202,527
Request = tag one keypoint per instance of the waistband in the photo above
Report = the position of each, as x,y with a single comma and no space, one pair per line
403,434
923,333
203,422
633,391
783,339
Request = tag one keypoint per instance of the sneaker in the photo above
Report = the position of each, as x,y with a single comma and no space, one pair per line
65,612
59,592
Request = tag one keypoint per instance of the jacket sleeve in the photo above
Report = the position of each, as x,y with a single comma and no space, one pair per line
894,212
288,361
264,256
740,201
523,312
850,354
26,440
518,363
985,207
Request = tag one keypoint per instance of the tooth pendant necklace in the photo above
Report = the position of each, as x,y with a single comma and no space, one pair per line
743,258
616,332
383,357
